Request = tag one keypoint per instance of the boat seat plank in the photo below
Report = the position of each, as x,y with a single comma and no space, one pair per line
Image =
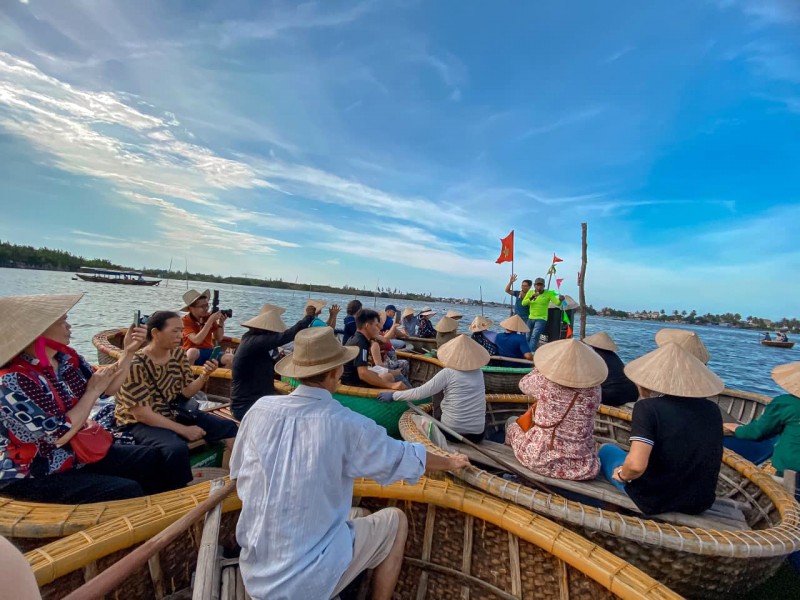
724,515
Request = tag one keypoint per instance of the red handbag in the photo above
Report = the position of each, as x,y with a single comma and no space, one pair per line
91,443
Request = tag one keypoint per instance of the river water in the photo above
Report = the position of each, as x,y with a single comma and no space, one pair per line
736,355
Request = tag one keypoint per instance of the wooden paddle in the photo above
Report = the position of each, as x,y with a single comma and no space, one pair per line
523,361
114,575
497,459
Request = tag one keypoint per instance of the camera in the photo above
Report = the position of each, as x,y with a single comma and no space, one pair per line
228,312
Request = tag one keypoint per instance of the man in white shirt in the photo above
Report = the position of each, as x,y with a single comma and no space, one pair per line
295,460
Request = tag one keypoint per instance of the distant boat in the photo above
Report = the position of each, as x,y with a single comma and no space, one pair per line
777,344
110,276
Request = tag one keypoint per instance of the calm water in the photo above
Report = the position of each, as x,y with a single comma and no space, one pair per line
736,355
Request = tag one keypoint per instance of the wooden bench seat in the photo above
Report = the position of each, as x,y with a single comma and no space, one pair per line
725,514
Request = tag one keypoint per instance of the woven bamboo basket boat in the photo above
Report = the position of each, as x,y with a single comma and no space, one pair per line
503,380
461,544
693,561
423,344
109,347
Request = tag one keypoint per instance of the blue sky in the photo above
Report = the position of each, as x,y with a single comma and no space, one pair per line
396,141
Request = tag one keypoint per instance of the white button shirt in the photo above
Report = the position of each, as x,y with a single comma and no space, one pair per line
295,459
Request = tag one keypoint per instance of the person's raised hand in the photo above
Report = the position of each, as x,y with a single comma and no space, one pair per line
134,337
334,310
513,278
193,433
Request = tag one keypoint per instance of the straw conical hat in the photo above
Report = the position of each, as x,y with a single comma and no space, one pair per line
316,350
788,377
463,354
480,324
601,340
672,370
446,325
688,340
268,307
317,304
515,323
408,311
268,321
570,363
453,314
190,296
24,318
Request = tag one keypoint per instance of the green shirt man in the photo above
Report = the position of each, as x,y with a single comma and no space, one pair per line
538,300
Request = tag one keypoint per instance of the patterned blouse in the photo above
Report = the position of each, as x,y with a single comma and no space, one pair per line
142,389
31,421
490,347
425,328
566,451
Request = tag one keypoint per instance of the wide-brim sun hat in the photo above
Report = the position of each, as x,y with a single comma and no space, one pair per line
688,340
317,304
515,323
446,325
268,321
571,364
427,311
480,324
192,296
408,312
788,377
463,354
316,350
601,340
672,370
453,314
25,318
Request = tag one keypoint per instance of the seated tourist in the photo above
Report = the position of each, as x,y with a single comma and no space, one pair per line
424,326
446,330
767,337
781,337
688,340
512,343
480,329
253,372
560,441
350,319
617,388
318,305
357,371
391,313
294,465
775,433
676,435
47,391
148,403
384,357
202,330
463,407
408,323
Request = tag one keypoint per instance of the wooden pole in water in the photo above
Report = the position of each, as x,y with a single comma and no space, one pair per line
581,291
480,287
168,272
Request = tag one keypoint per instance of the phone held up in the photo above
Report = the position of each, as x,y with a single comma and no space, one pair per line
137,318
216,353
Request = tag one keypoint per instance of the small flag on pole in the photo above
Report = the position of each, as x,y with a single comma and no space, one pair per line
558,282
556,259
507,248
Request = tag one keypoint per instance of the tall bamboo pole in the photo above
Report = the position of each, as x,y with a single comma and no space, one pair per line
581,291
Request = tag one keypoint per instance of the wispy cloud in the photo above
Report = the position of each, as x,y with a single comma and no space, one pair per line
615,56
766,11
569,120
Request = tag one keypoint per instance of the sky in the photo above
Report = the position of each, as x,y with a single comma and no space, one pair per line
394,142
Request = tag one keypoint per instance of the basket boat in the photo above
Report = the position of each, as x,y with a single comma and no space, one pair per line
461,544
695,561
503,380
775,344
423,344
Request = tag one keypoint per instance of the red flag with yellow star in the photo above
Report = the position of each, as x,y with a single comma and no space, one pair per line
507,249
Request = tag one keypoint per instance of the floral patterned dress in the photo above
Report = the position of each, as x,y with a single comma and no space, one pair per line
560,443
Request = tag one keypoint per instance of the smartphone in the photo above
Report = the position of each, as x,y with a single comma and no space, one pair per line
216,353
137,317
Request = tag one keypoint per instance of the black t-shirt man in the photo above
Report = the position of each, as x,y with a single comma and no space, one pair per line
686,436
350,375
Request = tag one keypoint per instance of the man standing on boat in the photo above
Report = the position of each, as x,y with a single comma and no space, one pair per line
295,460
538,302
202,330
519,309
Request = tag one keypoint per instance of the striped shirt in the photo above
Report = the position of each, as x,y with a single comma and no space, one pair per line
139,388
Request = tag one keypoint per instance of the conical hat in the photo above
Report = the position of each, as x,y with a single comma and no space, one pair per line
408,311
515,323
688,340
788,377
480,324
672,370
316,350
446,325
190,296
268,321
317,304
24,318
453,314
268,307
463,354
570,363
601,340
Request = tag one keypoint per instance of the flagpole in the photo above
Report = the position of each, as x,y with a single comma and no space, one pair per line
512,307
581,291
550,271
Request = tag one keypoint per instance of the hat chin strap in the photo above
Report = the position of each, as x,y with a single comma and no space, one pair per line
40,346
